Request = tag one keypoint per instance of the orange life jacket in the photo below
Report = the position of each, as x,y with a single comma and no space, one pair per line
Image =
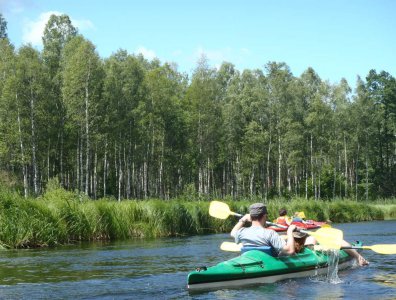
282,221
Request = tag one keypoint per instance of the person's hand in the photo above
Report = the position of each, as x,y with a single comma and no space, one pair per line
291,228
245,218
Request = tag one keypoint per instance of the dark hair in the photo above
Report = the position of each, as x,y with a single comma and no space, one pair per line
299,243
282,212
257,217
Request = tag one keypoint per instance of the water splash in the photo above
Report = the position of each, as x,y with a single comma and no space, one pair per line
332,269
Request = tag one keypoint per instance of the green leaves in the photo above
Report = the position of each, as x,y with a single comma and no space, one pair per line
128,127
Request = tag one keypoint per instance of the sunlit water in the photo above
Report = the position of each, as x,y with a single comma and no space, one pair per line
157,269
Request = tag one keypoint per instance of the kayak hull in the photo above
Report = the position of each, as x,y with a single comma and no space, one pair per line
264,280
256,267
305,226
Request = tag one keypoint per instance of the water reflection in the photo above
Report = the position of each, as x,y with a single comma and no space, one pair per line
387,279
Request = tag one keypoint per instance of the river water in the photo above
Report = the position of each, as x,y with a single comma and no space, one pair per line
157,269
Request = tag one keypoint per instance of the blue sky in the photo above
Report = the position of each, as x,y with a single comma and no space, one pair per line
338,38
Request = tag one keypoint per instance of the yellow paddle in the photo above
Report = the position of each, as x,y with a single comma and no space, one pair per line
230,247
329,238
221,210
380,248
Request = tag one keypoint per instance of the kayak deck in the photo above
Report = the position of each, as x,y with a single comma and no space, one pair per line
255,267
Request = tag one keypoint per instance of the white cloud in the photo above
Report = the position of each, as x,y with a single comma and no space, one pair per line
33,30
147,53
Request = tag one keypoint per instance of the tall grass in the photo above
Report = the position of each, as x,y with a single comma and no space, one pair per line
61,217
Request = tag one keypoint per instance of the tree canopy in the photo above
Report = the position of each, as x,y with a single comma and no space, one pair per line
127,127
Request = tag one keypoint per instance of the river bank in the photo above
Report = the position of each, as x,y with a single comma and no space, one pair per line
61,217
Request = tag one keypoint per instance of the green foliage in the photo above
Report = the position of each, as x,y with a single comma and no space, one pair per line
127,128
61,217
3,27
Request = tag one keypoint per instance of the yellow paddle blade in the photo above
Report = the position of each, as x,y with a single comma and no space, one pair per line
382,248
219,210
231,247
328,238
325,225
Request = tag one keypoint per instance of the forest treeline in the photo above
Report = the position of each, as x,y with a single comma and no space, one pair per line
127,127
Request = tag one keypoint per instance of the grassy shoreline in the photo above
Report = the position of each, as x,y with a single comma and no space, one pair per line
61,217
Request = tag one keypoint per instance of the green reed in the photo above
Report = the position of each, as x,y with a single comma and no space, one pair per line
62,217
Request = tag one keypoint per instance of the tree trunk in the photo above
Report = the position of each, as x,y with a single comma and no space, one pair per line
105,169
119,174
306,182
288,180
346,167
279,165
367,173
128,167
161,190
48,159
61,151
24,171
78,164
87,127
33,139
268,167
356,172
251,183
312,169
95,177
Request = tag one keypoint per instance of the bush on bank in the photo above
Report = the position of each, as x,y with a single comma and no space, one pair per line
62,217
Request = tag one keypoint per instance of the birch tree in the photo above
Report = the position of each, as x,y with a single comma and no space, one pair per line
82,86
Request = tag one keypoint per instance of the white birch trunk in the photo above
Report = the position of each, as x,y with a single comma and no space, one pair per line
95,177
119,175
312,169
268,166
346,167
24,171
279,165
87,127
161,169
251,183
33,132
105,169
78,164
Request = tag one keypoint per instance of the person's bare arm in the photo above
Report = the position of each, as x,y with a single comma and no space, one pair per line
289,249
359,258
239,225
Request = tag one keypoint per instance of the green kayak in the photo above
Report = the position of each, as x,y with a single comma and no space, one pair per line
255,267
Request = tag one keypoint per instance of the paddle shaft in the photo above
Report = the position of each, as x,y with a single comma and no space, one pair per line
357,248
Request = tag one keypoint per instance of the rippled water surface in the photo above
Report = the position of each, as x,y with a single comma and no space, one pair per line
157,269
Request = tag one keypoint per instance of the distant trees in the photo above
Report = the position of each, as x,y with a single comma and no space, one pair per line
131,128
3,27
